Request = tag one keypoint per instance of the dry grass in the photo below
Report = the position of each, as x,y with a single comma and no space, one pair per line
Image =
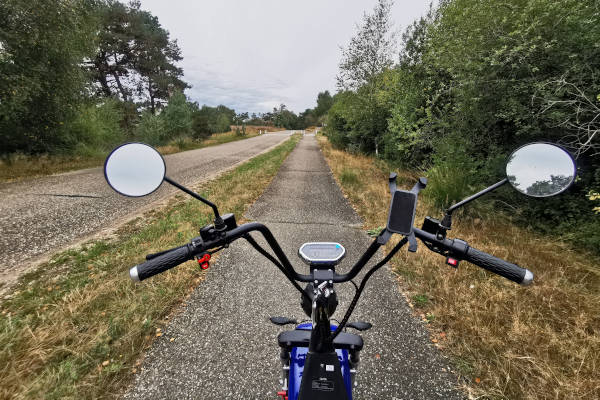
77,326
20,166
507,341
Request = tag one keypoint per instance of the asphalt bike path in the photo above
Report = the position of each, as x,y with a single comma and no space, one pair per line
221,345
42,215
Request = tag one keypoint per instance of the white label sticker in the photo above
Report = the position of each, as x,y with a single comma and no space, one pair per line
329,368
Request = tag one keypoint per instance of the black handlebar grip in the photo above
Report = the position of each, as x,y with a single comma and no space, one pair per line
160,263
498,266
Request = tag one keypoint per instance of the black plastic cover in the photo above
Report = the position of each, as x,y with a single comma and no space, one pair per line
301,338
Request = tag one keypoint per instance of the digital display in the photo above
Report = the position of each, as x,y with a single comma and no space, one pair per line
321,252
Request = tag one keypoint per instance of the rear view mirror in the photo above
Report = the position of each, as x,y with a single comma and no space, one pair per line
134,169
540,169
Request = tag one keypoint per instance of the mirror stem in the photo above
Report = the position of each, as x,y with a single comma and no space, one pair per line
196,196
447,221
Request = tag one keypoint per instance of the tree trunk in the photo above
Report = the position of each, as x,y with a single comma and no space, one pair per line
116,76
120,86
104,84
101,71
151,95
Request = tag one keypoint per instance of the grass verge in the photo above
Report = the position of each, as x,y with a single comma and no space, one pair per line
19,166
75,328
507,341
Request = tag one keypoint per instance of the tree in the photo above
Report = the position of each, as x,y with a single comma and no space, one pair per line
363,62
114,58
324,103
285,118
42,44
178,117
135,56
370,51
578,113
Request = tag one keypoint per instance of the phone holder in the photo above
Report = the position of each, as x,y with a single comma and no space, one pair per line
402,212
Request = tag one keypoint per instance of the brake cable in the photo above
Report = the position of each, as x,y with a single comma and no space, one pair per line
363,284
268,255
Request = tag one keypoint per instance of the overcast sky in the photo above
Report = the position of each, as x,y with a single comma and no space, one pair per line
253,55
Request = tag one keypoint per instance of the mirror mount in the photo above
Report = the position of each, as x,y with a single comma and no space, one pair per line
446,223
219,223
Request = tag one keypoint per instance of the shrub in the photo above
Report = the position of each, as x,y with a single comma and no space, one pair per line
151,129
96,128
177,117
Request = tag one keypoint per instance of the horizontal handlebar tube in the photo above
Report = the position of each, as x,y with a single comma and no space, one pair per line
444,244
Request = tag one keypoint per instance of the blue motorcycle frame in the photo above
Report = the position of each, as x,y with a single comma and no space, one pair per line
296,366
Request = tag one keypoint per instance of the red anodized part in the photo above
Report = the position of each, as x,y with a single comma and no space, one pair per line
203,261
283,395
452,261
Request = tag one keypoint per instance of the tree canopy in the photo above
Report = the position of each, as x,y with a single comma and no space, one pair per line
473,81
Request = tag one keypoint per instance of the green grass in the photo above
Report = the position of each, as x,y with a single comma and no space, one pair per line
76,327
420,300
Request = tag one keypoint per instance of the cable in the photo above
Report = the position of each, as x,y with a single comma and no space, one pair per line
363,284
265,253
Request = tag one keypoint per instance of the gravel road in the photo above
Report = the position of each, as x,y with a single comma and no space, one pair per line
40,216
222,343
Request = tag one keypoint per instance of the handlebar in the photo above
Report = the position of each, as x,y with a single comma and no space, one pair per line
168,259
461,250
499,266
160,263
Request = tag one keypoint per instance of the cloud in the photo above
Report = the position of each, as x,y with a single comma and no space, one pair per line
254,54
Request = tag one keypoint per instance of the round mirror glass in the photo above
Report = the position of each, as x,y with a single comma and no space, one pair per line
540,169
134,169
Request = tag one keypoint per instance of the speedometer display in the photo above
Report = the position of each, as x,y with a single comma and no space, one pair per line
321,252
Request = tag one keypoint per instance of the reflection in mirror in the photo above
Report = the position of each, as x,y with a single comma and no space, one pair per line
134,169
540,169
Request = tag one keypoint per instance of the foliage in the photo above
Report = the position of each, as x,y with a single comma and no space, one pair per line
135,57
151,129
41,83
324,103
96,128
473,81
177,117
370,51
208,120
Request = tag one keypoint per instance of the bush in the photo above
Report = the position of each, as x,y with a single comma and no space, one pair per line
151,129
177,117
96,128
